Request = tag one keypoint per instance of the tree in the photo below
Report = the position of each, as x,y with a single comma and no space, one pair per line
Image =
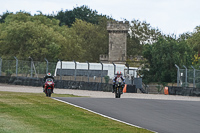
5,14
140,34
18,17
184,36
84,13
23,35
161,58
92,39
194,40
36,36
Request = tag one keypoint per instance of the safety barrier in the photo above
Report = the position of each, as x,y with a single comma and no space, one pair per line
184,91
93,86
64,84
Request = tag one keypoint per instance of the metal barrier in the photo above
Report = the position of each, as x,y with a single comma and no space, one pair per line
188,77
21,68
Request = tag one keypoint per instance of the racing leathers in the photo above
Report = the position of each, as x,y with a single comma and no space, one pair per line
114,80
44,80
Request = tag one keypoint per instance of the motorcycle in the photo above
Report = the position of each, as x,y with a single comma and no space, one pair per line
118,87
49,86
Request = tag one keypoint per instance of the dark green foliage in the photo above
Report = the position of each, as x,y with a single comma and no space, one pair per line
84,13
23,35
194,41
107,79
141,33
162,57
3,17
38,36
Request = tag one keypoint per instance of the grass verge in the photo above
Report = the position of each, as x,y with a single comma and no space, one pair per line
36,113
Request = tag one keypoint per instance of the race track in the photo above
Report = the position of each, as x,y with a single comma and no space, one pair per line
163,116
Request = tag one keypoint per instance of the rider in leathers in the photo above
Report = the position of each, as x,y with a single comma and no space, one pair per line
46,77
115,78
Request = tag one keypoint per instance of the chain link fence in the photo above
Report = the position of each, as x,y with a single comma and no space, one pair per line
21,68
87,72
188,77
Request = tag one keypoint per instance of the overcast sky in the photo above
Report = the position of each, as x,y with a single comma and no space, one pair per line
169,16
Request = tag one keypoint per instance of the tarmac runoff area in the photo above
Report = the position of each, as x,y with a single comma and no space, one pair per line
95,94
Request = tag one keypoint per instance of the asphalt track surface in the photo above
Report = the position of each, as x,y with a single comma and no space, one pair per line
163,116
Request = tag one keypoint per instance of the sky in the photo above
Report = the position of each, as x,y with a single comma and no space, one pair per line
169,16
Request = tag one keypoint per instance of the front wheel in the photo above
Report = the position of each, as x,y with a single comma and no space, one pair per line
117,93
49,92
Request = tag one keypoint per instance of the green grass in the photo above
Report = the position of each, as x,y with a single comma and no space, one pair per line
36,113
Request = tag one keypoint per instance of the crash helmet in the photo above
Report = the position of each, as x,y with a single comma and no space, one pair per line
118,74
48,74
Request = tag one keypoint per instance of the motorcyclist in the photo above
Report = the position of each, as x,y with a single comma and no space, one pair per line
118,75
48,75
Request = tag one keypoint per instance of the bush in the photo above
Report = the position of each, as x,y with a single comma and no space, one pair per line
106,79
8,72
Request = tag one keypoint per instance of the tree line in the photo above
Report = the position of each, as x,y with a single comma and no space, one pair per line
80,34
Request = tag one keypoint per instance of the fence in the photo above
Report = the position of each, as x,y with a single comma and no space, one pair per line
20,68
188,77
35,69
31,72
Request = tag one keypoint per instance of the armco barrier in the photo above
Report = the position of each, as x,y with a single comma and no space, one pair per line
187,92
131,89
67,84
171,90
195,92
184,91
62,84
83,85
4,79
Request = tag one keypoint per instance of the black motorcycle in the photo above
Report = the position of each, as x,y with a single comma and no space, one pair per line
118,87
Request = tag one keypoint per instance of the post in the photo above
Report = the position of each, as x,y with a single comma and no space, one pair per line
185,75
16,65
60,70
101,71
88,70
114,67
127,65
47,65
0,65
75,70
178,74
31,66
193,76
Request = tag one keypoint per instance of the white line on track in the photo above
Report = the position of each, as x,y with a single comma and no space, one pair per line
100,114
